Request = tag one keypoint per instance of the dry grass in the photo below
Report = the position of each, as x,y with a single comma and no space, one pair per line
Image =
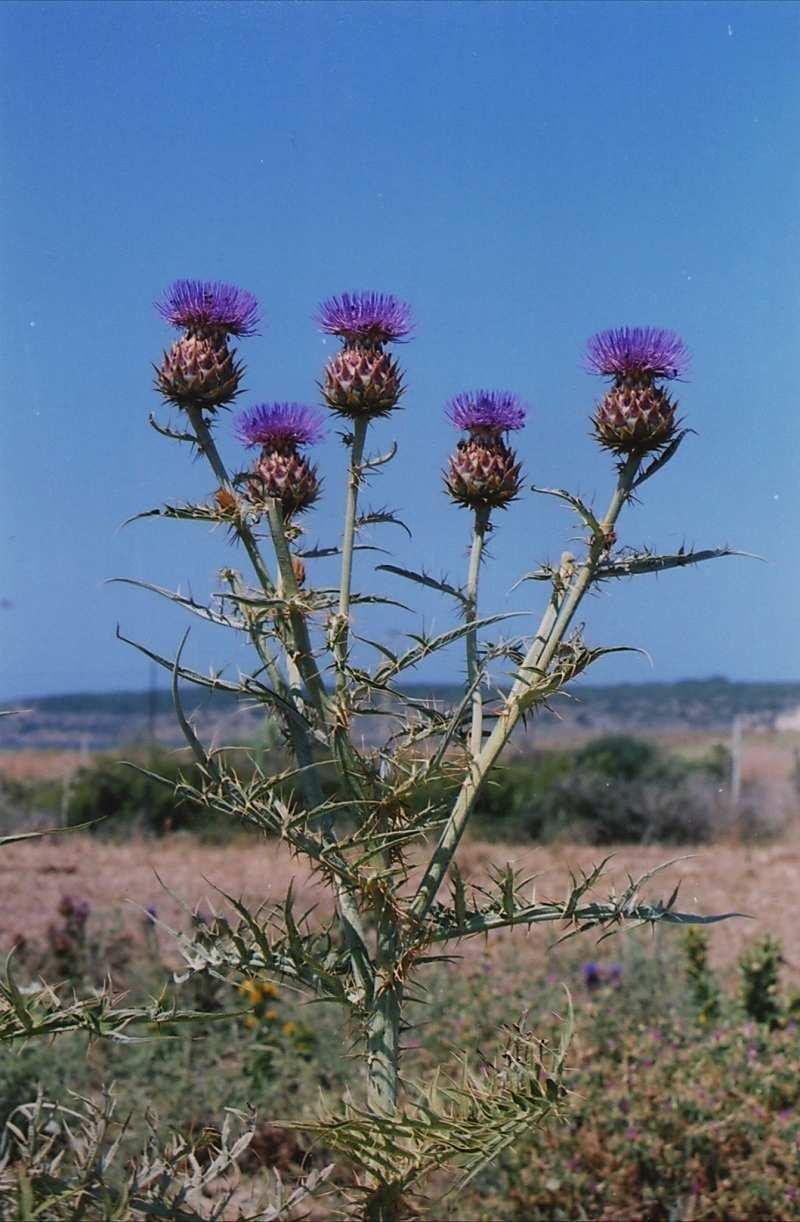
40,765
756,879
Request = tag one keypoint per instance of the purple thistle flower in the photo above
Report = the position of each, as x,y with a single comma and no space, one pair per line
369,318
208,305
630,351
280,424
495,411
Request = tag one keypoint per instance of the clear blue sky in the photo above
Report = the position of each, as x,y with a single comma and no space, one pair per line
523,174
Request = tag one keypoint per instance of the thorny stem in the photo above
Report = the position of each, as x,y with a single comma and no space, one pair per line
347,905
383,1023
538,658
346,755
480,528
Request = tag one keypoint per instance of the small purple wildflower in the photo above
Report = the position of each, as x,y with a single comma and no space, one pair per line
279,424
625,351
495,411
592,975
208,305
151,912
370,318
77,909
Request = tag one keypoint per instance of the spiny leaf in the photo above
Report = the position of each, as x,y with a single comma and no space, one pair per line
644,562
379,460
423,579
189,604
428,645
576,503
317,552
380,517
662,459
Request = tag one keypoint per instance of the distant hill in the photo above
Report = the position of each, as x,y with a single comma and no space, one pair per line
106,720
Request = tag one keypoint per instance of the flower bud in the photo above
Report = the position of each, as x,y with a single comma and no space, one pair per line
634,419
362,381
287,476
199,371
483,472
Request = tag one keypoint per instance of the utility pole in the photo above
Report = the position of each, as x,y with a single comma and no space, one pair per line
736,760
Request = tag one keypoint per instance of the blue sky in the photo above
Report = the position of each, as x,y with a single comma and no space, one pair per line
523,174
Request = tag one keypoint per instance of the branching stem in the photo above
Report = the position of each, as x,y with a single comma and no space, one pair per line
347,906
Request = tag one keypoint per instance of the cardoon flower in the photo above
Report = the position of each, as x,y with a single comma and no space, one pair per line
487,411
200,370
484,472
362,380
276,424
206,307
366,319
281,472
637,354
636,416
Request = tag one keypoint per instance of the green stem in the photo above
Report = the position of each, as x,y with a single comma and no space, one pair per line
207,445
538,658
342,634
480,527
383,1025
304,657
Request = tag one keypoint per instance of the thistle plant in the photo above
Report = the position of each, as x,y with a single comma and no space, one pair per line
384,844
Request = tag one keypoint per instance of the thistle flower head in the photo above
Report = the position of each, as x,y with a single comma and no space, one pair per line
199,370
637,353
280,425
285,475
365,318
203,306
487,411
635,419
362,381
483,473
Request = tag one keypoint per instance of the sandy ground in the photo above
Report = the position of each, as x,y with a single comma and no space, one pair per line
760,880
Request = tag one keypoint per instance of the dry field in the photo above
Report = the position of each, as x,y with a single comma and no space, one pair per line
759,878
121,879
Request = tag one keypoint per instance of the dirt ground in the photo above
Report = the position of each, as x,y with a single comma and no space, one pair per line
122,879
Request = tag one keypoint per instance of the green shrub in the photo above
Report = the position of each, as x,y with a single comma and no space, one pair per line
129,800
702,983
759,971
616,789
